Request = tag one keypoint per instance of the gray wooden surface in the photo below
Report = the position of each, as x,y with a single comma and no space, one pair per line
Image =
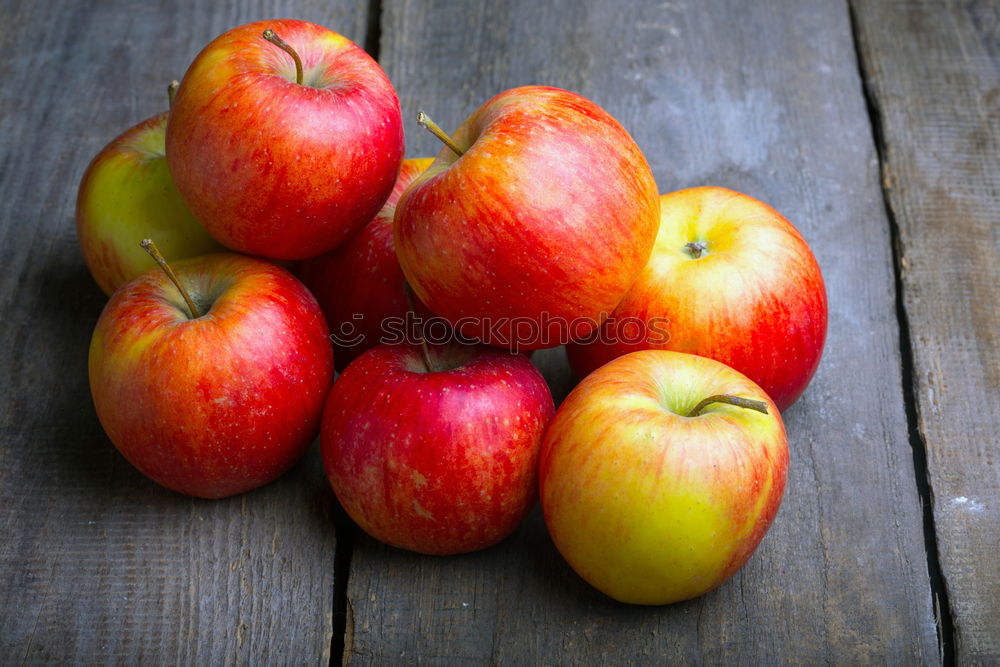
935,82
99,565
767,101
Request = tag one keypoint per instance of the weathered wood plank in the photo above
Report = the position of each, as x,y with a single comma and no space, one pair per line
934,73
97,563
761,97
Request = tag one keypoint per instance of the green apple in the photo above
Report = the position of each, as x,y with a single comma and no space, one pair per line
127,194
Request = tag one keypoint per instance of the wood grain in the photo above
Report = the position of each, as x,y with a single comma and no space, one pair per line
98,564
935,81
764,98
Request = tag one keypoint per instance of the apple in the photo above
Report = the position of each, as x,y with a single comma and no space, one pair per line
535,232
284,154
652,489
126,195
359,284
222,402
731,279
436,452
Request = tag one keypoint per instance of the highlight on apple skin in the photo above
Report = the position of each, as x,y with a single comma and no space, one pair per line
538,229
436,454
278,168
127,194
359,284
731,279
220,403
647,503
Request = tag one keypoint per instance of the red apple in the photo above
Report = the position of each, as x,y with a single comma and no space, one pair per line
729,279
438,461
126,195
220,403
537,231
276,168
653,494
359,284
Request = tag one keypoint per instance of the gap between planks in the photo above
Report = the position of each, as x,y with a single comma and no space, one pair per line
942,608
343,617
342,629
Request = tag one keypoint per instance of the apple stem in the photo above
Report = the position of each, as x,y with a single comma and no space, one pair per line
425,351
738,401
425,121
272,37
696,248
150,247
172,91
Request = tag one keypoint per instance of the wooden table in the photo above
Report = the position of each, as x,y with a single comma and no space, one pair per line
873,125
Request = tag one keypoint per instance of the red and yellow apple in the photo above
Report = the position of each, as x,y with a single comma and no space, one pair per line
538,229
359,284
436,455
730,279
126,195
653,494
278,168
219,403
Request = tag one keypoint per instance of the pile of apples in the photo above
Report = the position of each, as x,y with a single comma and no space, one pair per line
277,194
